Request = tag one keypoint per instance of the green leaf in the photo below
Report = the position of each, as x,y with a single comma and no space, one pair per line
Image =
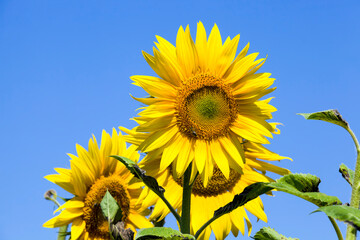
250,192
267,233
343,213
332,116
131,165
305,186
347,173
163,233
149,181
110,208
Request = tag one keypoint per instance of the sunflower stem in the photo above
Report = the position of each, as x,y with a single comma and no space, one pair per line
172,210
186,201
355,194
63,229
336,227
62,232
197,234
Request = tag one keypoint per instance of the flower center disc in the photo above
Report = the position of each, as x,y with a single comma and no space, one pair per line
205,108
96,224
218,184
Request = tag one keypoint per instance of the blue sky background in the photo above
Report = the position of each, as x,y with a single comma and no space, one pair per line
64,75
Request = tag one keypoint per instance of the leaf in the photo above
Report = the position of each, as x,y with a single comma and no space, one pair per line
110,208
305,186
343,213
250,192
267,233
163,233
131,165
347,173
332,116
149,181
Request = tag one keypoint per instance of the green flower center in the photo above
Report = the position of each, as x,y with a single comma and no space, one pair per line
208,107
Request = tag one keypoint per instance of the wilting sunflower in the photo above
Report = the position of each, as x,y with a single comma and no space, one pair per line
203,105
92,173
218,192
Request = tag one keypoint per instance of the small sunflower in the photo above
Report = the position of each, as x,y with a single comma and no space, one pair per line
203,105
218,192
92,173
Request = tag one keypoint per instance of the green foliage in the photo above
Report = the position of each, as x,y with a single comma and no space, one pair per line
110,208
149,181
267,233
163,233
347,173
250,192
343,213
305,186
332,116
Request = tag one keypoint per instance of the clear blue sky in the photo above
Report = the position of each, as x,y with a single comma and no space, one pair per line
64,75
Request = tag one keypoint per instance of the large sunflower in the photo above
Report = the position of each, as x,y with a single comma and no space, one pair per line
92,173
218,192
203,105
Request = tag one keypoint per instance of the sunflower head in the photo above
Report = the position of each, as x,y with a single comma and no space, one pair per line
92,173
203,104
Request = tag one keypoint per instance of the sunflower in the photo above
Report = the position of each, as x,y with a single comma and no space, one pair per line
92,173
203,105
218,192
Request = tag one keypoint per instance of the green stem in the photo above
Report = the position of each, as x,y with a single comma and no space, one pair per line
63,229
186,201
197,234
355,194
54,201
336,227
62,232
172,210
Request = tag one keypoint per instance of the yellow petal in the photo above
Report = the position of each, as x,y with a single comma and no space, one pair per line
183,160
255,208
237,218
237,155
156,87
241,68
62,181
139,221
201,46
78,180
200,155
220,158
254,150
75,202
169,52
214,47
170,153
158,139
64,218
263,166
186,52
227,55
77,228
157,124
163,67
